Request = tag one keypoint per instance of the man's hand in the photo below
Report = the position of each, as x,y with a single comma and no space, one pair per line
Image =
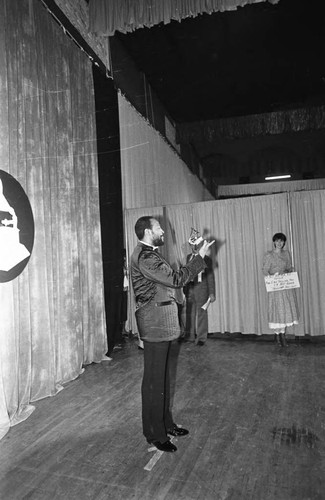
204,248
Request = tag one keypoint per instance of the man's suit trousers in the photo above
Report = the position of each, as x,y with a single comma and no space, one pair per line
156,412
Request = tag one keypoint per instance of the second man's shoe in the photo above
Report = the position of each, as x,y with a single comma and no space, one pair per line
178,431
166,446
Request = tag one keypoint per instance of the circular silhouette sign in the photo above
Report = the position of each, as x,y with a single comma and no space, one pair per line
16,228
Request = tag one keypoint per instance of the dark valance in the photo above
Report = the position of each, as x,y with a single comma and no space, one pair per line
108,16
242,127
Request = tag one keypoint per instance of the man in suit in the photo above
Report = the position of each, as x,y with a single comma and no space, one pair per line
197,292
154,284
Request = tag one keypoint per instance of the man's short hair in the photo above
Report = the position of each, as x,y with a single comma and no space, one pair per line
142,224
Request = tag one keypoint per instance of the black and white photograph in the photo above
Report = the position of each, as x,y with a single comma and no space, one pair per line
162,250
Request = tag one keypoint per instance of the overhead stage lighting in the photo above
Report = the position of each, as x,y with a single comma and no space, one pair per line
276,177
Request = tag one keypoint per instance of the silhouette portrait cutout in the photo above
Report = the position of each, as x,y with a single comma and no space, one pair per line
16,228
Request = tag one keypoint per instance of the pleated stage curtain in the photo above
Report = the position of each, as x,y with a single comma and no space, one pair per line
308,222
243,230
152,172
108,16
52,314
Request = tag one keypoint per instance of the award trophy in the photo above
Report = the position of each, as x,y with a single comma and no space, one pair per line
195,237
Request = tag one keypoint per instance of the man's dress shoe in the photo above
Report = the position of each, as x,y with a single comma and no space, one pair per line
166,446
177,431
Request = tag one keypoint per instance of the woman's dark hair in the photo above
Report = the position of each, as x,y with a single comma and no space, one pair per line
141,225
279,236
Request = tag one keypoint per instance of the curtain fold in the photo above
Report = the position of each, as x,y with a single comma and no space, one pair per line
77,11
53,319
108,16
308,222
152,172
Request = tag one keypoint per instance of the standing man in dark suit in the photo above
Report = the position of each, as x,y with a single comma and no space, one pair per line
154,284
197,292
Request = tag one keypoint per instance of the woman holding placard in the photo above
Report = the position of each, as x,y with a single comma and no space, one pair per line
282,303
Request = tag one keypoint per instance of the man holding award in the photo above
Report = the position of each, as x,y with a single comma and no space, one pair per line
154,284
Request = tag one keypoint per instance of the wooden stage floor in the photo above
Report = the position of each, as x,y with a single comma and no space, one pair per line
256,415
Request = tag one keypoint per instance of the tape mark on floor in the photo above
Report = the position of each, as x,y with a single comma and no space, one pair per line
152,462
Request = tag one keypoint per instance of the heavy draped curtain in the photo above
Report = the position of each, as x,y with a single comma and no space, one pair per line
243,230
108,16
77,11
152,172
52,315
308,222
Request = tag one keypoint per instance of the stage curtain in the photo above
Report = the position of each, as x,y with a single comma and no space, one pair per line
243,230
52,315
308,223
77,11
108,16
152,172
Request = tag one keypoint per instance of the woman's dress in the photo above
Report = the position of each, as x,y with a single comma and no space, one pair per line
282,304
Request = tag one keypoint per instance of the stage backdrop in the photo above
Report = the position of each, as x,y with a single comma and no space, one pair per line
52,314
243,230
153,173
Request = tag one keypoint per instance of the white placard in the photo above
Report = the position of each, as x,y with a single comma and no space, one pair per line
282,282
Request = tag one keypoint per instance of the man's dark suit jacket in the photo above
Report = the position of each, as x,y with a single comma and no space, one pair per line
154,284
204,288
